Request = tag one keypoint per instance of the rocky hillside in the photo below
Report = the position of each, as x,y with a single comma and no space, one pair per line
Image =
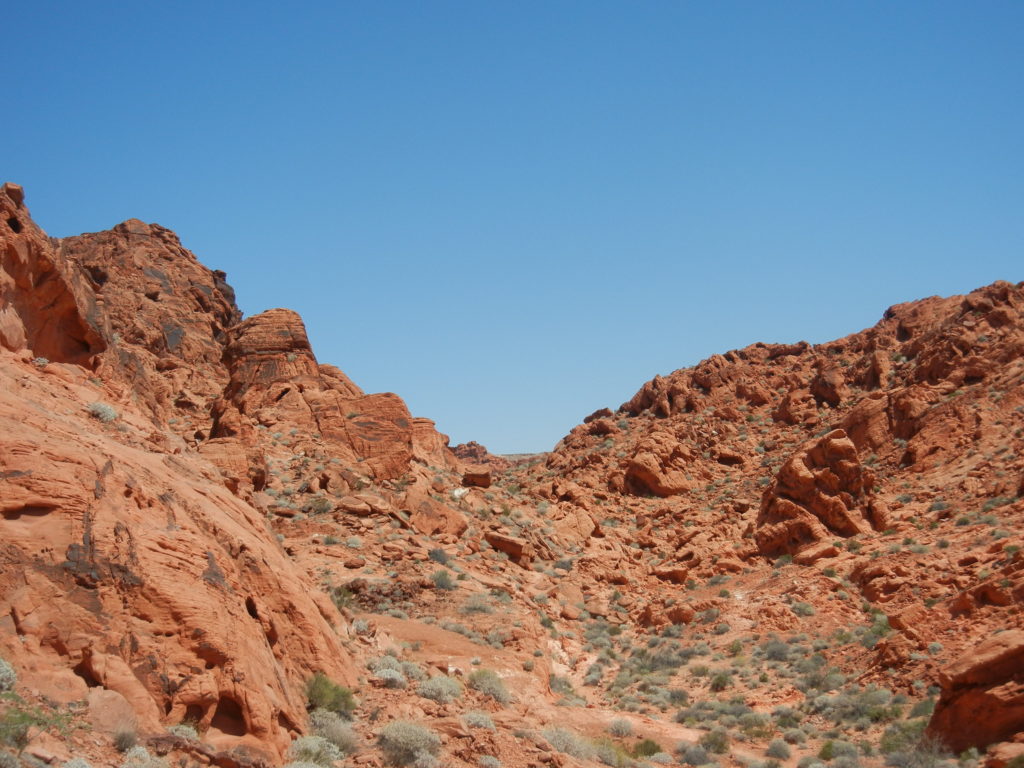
221,549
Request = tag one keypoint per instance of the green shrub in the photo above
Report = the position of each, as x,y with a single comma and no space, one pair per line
443,580
403,742
488,683
324,693
716,741
646,748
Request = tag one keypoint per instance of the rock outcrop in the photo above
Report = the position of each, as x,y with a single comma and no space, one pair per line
982,700
141,422
820,493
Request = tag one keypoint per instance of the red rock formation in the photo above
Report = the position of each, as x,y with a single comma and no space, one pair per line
982,699
821,492
129,563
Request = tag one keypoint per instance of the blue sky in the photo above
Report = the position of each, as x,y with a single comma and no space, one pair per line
513,214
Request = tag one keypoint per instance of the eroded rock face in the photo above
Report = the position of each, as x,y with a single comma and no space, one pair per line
818,494
136,571
46,305
982,700
137,428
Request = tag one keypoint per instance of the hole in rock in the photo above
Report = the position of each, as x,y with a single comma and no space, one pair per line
284,392
250,606
194,713
14,224
98,274
37,510
83,672
228,717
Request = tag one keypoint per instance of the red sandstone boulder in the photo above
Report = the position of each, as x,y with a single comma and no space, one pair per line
982,700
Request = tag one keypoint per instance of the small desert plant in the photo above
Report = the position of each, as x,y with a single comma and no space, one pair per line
335,729
102,411
314,749
443,579
620,728
392,678
8,677
693,754
184,731
567,742
76,762
438,556
125,739
488,683
778,749
139,757
324,693
489,761
404,743
442,689
477,719
716,741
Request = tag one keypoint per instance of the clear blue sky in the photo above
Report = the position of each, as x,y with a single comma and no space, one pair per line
515,213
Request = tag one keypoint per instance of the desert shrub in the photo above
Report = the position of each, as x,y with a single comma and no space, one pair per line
794,736
693,754
477,719
413,671
335,729
489,761
314,749
716,740
620,728
778,749
8,677
184,731
7,760
476,604
661,758
721,681
443,579
609,753
125,739
403,743
646,748
392,678
488,683
324,693
442,689
567,742
438,555
802,609
139,757
102,411
76,762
